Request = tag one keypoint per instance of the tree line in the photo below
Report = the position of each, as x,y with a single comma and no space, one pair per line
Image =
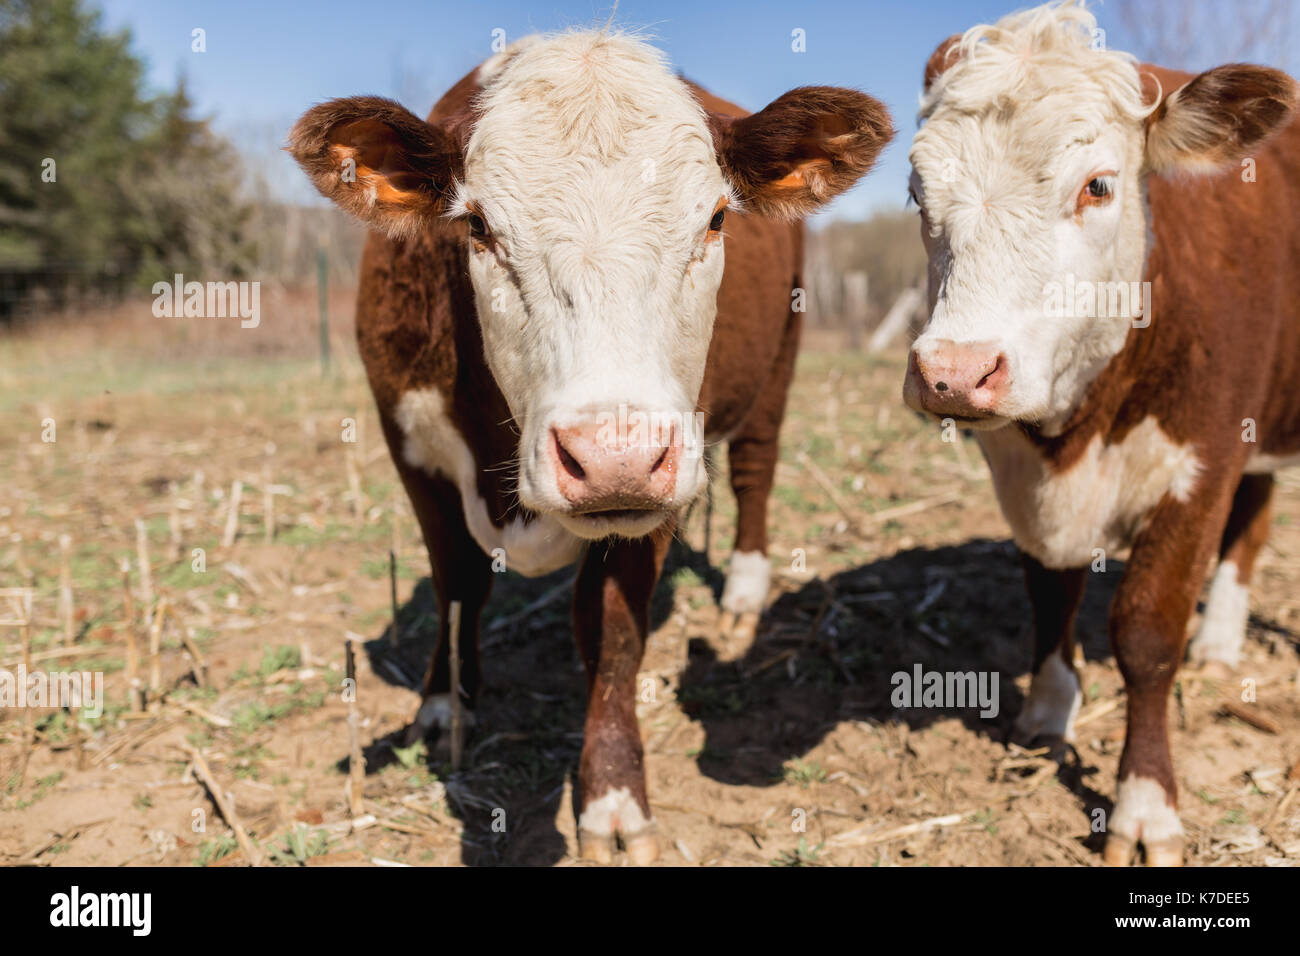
104,185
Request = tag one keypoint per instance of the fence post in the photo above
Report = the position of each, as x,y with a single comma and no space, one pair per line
856,304
322,297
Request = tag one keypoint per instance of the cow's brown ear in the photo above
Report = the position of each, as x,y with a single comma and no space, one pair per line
378,161
1218,117
945,55
802,150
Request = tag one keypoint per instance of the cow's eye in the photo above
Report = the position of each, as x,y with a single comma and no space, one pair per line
1097,191
477,227
715,224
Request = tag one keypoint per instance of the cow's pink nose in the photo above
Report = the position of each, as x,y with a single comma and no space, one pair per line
962,379
599,470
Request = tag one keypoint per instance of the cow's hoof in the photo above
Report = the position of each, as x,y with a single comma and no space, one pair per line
611,816
642,848
1164,853
1030,738
1119,850
435,714
1047,718
596,847
1143,815
1214,670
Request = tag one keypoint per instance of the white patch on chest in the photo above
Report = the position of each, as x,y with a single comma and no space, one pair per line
434,445
1101,501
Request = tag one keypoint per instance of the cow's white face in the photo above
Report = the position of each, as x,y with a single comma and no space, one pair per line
594,203
592,187
1020,212
1029,172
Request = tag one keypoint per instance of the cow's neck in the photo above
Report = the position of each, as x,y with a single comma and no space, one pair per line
479,410
1109,406
1105,408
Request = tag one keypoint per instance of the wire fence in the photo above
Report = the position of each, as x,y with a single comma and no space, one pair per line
60,287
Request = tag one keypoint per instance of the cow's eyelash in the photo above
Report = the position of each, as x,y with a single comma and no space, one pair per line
1107,180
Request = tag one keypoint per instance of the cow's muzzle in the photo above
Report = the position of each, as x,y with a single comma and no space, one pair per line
608,476
965,381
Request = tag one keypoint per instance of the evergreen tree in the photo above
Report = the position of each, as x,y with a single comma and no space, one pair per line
101,182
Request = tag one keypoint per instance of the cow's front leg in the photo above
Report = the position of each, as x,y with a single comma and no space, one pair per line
611,614
461,573
1148,628
1048,714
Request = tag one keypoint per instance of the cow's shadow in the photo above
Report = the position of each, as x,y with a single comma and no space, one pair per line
524,744
837,648
826,653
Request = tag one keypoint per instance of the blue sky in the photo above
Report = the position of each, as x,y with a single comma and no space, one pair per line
267,61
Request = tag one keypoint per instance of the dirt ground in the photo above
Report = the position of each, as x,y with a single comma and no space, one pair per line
888,551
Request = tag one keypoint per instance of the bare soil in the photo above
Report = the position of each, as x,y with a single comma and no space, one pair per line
786,752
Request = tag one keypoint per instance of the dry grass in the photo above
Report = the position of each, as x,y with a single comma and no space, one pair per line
742,743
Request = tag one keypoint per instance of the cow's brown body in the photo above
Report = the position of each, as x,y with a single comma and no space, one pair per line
417,329
1222,352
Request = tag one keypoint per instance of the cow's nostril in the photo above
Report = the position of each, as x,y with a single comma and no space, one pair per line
663,455
997,366
570,463
941,386
659,461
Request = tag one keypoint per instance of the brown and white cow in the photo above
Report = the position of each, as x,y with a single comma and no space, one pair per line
1048,173
551,337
